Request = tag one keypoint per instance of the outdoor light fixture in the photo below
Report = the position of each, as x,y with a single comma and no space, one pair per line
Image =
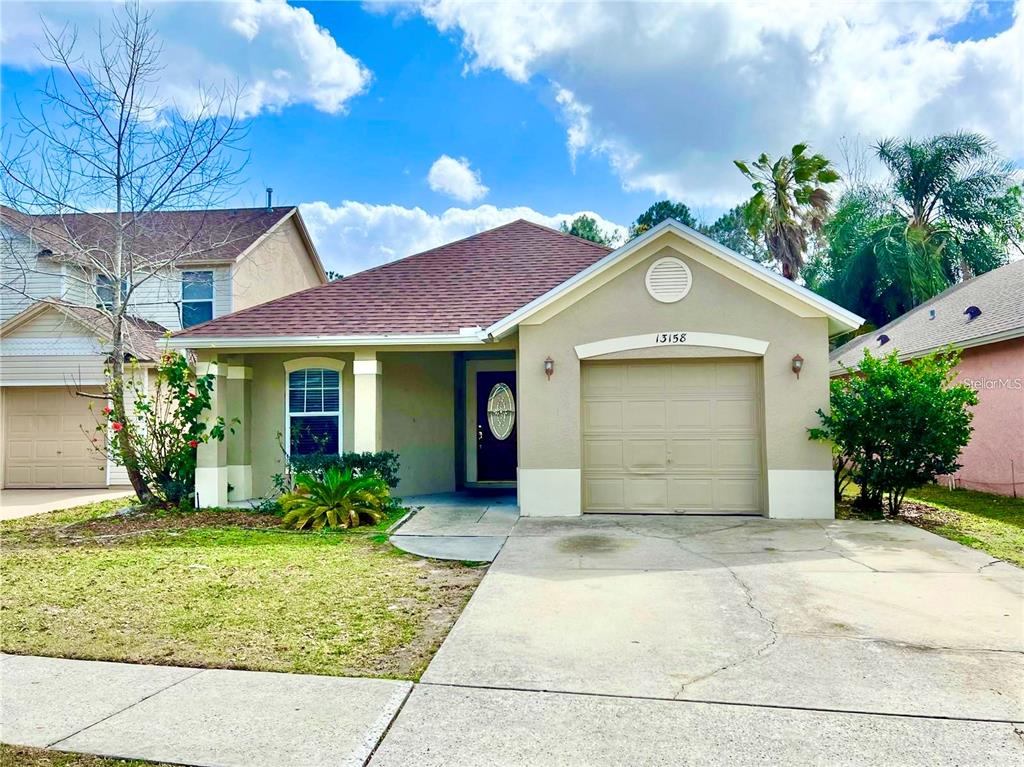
798,364
549,367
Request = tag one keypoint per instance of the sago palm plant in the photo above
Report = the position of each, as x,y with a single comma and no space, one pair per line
340,499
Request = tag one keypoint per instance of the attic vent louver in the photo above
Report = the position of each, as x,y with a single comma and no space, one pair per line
883,339
668,280
972,312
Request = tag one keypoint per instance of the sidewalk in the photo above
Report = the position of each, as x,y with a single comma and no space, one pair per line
212,718
15,504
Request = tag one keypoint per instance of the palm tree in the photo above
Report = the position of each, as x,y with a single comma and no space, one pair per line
949,211
790,202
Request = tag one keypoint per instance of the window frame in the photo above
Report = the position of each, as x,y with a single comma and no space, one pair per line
100,303
313,363
212,300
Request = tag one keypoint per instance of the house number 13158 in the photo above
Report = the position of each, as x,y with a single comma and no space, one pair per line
670,338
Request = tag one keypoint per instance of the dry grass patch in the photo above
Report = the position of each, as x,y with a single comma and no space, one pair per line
223,590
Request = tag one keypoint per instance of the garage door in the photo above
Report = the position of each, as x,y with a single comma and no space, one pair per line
672,437
44,445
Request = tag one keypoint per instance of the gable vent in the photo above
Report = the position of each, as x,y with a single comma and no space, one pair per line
668,280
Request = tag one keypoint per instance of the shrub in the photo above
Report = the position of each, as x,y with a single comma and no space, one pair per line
164,428
897,425
339,499
383,464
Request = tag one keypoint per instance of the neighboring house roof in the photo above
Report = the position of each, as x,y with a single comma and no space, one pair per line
472,282
141,335
943,321
488,283
186,236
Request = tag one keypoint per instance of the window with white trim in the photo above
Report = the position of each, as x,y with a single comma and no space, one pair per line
105,291
314,411
196,297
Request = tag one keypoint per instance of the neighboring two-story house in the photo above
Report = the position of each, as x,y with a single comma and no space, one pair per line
188,267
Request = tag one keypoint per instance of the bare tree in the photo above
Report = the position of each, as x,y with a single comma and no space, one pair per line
94,173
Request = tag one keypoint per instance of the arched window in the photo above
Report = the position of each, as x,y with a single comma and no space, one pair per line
314,407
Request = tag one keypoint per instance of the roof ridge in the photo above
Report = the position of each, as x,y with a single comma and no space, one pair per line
262,209
607,248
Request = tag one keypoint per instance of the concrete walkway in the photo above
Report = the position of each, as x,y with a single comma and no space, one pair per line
457,526
194,716
24,503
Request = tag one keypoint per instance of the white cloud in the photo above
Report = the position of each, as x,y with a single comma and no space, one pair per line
355,235
669,94
276,52
456,179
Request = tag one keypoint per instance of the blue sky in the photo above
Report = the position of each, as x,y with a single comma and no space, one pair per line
551,109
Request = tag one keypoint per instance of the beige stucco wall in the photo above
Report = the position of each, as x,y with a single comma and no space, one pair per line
277,266
549,410
418,404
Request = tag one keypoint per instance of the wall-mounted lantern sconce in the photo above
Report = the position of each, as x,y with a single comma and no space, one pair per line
549,367
798,364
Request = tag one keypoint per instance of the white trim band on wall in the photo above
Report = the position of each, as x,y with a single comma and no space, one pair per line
671,338
366,367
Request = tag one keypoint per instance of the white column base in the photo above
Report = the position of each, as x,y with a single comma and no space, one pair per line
549,493
211,486
800,494
239,479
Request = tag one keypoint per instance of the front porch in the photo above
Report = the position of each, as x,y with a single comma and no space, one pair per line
449,414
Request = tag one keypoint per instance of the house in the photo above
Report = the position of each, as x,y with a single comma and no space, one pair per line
54,338
669,375
984,318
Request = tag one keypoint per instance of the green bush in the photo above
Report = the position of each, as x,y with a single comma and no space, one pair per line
897,425
384,464
338,499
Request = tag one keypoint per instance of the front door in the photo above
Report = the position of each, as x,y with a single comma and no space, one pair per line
496,426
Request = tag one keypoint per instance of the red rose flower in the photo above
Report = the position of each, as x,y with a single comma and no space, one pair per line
116,426
191,395
193,443
108,410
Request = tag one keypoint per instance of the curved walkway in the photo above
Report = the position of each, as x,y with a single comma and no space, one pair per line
456,526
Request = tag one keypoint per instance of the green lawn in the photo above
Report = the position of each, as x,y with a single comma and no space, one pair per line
224,589
991,523
19,756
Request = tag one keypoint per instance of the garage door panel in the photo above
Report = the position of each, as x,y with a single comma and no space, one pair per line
686,414
647,379
738,494
735,414
739,453
601,415
646,493
45,444
692,453
603,453
672,436
644,415
604,494
691,495
641,454
691,377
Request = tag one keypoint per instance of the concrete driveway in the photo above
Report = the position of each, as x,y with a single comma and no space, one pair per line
24,503
667,640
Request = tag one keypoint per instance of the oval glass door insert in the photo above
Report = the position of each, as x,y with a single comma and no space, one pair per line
501,411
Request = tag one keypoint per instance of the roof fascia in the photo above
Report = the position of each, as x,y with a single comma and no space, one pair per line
844,319
202,342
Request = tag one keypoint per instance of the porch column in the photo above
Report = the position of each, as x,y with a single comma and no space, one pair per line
239,412
211,457
367,422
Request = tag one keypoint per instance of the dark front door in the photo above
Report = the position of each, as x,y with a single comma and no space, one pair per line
496,426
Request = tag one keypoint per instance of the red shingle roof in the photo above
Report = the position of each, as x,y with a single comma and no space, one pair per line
470,282
185,235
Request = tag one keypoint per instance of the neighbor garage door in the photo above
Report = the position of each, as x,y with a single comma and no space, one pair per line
44,441
672,436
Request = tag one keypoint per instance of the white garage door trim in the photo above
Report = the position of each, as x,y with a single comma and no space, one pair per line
673,436
672,338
